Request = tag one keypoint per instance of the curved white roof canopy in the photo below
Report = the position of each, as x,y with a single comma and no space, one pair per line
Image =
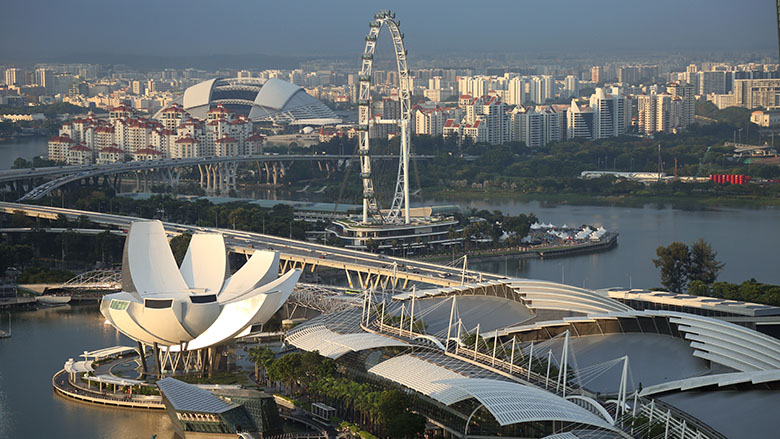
556,296
535,294
205,263
422,376
512,403
275,100
238,315
715,340
508,402
721,380
333,345
246,278
149,262
198,95
275,94
78,366
726,343
110,379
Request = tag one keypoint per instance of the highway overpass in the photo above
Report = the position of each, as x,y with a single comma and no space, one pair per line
217,173
362,269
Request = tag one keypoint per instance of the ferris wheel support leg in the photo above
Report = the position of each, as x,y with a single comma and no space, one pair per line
405,158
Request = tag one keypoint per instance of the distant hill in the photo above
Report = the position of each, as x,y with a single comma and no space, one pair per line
156,62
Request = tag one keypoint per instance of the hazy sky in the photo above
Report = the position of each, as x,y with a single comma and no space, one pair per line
331,27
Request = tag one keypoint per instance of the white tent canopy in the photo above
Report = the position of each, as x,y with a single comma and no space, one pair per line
333,345
512,403
110,379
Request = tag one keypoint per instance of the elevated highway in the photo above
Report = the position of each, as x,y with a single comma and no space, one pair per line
362,269
372,271
214,170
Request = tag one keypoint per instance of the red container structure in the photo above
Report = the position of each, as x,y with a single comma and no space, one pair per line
730,178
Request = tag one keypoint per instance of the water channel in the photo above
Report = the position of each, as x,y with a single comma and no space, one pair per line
24,147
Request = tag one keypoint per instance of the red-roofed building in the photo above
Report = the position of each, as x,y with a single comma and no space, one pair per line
226,146
121,111
476,131
452,129
79,155
429,121
148,153
173,116
254,144
110,154
464,100
58,148
184,148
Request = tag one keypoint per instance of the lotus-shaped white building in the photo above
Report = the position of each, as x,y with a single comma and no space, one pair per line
198,305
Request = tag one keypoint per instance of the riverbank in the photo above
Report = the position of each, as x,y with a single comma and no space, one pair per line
540,252
684,202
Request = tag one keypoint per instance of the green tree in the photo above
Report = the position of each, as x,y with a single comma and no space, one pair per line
393,408
7,257
372,245
20,163
704,266
261,356
179,245
674,262
698,288
23,254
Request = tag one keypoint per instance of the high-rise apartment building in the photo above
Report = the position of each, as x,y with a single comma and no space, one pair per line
14,76
754,93
535,126
515,94
659,112
492,112
44,78
571,86
138,87
175,135
541,89
687,93
579,122
596,74
609,113
712,82
429,121
628,75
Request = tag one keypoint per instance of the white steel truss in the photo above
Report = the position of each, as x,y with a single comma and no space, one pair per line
95,280
371,210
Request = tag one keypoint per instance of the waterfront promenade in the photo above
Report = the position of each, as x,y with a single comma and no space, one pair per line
64,386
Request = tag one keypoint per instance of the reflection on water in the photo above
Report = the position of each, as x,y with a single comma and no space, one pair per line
25,147
42,341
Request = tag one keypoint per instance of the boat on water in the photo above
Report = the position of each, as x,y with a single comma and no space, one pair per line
50,299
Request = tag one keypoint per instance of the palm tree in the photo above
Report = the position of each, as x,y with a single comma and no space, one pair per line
261,356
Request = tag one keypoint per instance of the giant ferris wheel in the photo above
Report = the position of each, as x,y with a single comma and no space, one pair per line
399,209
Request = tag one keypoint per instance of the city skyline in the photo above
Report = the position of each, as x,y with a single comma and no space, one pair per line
87,28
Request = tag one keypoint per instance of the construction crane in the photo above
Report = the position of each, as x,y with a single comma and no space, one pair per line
704,158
